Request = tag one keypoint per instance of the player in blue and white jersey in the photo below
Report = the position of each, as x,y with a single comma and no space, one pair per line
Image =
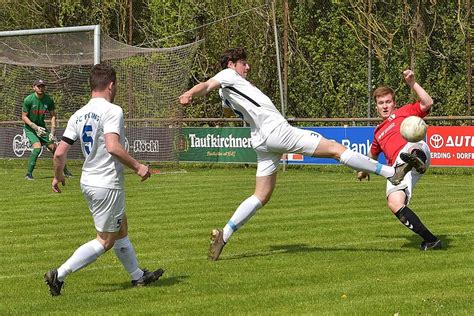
99,126
271,137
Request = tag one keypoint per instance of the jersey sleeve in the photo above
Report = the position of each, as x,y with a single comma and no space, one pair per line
226,77
71,130
375,148
52,106
113,121
414,109
26,105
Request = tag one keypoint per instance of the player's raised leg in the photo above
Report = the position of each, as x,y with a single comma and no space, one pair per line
357,161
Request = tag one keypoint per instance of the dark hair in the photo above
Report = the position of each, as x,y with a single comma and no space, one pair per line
101,76
381,91
233,55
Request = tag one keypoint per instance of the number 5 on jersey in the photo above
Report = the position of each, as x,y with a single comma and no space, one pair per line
87,139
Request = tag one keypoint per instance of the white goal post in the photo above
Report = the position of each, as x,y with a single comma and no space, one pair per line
57,30
150,81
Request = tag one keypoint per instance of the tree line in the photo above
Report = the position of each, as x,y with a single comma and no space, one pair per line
333,53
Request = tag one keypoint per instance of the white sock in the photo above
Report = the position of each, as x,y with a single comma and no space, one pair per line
83,256
124,250
360,162
243,213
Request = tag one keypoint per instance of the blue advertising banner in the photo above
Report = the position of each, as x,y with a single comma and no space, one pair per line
212,144
356,138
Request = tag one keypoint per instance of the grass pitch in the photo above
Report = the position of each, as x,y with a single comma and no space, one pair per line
325,244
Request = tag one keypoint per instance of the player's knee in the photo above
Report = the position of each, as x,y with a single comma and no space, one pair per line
106,241
394,206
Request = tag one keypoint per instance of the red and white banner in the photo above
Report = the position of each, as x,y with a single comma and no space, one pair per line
451,145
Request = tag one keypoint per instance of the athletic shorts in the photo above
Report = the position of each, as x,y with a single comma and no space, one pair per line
33,138
107,207
284,139
408,183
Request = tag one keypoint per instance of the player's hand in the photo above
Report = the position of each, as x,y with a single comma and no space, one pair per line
409,77
51,137
185,98
143,172
361,175
56,182
40,131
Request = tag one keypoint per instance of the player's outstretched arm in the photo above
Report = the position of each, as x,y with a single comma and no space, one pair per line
115,148
59,161
425,99
198,90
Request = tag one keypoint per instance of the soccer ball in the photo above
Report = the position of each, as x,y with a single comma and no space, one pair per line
413,129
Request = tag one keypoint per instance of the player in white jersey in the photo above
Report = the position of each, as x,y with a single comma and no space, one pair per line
272,136
100,128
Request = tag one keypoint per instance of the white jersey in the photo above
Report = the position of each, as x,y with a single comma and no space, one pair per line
90,124
250,104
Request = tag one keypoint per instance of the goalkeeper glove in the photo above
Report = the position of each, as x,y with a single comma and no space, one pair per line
40,131
51,135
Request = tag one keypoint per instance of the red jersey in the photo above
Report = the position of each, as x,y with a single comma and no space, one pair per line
387,137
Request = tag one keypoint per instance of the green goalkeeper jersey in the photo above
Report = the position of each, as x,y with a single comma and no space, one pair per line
37,108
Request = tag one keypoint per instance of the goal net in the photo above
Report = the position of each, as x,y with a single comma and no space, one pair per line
149,83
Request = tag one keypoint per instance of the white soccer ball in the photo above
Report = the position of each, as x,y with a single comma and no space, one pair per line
413,129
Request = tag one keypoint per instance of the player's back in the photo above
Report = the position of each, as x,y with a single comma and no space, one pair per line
249,103
90,124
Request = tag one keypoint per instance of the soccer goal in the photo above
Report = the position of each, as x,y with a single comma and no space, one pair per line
150,81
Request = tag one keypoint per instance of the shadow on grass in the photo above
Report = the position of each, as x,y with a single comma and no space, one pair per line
301,248
162,282
414,241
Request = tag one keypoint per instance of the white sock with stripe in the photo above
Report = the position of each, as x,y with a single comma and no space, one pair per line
83,256
360,162
243,213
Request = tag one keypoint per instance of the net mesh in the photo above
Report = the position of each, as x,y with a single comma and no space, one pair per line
149,80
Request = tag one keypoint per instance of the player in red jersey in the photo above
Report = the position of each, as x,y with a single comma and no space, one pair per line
389,141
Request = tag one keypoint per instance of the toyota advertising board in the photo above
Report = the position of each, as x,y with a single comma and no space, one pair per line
451,145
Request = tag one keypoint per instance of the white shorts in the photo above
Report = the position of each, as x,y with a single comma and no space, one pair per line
284,139
107,207
408,183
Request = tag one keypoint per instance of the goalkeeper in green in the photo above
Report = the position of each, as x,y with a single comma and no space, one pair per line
33,113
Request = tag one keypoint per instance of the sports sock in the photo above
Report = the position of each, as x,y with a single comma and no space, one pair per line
408,218
32,160
83,256
360,162
243,213
124,250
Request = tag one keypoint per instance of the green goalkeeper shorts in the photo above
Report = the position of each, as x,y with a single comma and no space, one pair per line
33,138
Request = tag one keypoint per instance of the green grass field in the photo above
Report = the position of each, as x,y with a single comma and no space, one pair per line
325,244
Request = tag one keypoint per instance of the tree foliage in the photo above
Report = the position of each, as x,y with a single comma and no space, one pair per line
328,44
